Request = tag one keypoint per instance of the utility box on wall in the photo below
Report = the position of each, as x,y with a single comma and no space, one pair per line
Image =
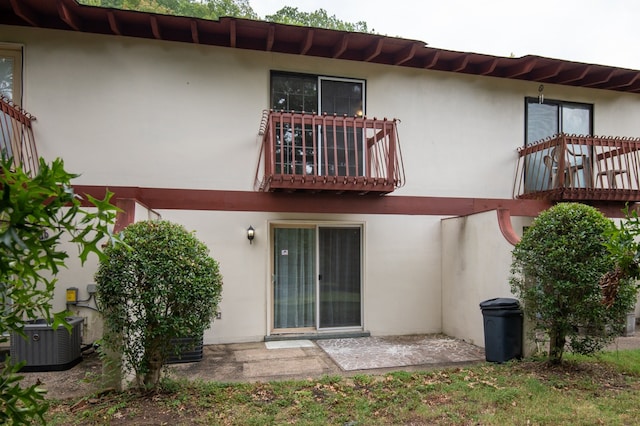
46,349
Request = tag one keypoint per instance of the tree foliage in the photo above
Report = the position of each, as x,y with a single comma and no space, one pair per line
162,286
622,242
557,271
318,19
214,9
36,214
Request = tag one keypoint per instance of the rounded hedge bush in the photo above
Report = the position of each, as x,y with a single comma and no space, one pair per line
557,271
158,286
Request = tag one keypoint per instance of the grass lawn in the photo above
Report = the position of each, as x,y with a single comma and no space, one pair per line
583,391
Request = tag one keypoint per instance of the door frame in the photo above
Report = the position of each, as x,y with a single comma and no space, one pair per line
321,141
315,224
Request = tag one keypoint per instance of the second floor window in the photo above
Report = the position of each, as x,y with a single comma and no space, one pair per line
304,150
10,73
553,117
545,120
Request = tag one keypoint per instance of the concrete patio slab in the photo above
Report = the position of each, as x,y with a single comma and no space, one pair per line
251,362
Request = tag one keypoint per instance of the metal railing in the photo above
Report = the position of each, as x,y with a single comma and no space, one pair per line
572,167
16,137
329,153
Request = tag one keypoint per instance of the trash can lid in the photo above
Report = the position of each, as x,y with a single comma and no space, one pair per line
500,303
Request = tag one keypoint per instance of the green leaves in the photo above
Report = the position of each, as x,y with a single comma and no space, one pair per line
35,213
161,285
557,271
19,405
319,19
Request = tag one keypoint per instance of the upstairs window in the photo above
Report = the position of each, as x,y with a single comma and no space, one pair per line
550,118
11,73
11,134
329,151
553,117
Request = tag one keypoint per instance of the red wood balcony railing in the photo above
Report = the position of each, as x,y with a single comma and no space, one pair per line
309,152
589,168
16,137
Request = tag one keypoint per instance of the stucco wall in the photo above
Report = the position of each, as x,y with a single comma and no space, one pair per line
134,112
475,267
126,111
80,276
401,291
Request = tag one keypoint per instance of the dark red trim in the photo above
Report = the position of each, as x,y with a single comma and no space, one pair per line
126,215
199,199
506,227
296,40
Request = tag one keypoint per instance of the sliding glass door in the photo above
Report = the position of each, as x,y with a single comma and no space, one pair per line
317,277
339,150
342,146
294,291
545,120
339,278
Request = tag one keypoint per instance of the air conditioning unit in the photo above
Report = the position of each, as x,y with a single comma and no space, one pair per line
46,349
191,350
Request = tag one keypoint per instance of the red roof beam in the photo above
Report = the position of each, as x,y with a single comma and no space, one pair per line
195,34
69,18
406,55
373,51
523,66
547,71
577,73
25,13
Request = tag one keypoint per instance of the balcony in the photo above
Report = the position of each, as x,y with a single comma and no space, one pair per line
580,168
323,153
16,137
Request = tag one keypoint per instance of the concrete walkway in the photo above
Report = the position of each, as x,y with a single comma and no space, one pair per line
268,361
304,358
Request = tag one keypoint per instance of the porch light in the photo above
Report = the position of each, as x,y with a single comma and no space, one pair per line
251,234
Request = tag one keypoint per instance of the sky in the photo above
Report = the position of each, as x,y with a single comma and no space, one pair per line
604,32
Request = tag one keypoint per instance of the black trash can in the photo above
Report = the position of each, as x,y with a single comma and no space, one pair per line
502,329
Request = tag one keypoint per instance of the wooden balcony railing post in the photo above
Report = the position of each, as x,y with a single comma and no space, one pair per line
330,153
561,158
268,148
588,168
391,167
16,136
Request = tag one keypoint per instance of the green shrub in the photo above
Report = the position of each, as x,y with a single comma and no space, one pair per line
557,271
161,286
36,214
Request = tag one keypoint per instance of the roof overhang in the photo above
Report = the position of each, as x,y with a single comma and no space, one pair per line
270,37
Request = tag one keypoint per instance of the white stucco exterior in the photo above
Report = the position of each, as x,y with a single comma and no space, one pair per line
471,275
134,112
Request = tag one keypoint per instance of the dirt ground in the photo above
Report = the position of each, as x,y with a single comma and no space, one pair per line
86,377
79,381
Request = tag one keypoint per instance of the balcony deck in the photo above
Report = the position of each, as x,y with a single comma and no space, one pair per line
323,153
16,137
580,168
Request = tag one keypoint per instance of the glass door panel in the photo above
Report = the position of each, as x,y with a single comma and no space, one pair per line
317,277
542,122
339,277
7,66
343,147
294,287
576,119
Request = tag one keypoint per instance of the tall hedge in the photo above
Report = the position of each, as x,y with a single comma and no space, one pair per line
557,272
160,286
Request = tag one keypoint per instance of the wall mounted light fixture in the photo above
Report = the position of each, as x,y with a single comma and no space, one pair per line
251,234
